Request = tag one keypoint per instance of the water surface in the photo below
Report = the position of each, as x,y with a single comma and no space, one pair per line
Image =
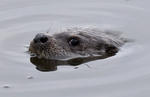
125,75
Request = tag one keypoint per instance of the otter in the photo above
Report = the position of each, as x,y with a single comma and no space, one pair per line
77,42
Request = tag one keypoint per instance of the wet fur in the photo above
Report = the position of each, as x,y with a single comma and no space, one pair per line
92,42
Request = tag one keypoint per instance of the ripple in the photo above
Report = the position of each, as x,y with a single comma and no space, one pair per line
123,73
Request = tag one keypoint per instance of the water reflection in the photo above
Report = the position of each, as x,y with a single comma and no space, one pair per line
46,65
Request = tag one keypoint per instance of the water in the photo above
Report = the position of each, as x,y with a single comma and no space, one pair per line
124,75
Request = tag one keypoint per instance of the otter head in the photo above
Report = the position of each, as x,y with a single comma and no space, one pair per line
73,43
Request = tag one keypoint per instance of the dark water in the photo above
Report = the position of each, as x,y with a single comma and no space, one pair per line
126,74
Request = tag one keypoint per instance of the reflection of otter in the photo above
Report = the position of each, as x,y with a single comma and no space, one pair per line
51,64
76,42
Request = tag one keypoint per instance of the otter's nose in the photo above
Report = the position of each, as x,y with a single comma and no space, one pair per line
40,38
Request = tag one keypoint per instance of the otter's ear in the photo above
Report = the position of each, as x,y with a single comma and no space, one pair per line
111,49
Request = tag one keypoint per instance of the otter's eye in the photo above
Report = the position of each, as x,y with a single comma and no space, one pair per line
74,41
